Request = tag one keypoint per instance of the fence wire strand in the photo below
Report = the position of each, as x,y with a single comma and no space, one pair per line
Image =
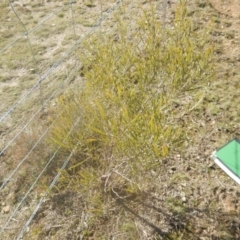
25,126
58,62
26,96
31,30
35,182
38,111
24,228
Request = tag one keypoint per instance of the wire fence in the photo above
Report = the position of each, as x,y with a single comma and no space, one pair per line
37,67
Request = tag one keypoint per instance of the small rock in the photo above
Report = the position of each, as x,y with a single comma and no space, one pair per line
3,203
184,199
6,209
213,122
53,25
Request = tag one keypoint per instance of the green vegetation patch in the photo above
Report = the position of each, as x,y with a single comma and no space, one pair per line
126,116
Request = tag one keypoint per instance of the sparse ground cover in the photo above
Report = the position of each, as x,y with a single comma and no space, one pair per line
188,196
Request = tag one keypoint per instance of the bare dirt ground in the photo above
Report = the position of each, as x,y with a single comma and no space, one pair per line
230,8
192,198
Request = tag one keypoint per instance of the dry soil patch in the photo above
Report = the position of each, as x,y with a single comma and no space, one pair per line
228,7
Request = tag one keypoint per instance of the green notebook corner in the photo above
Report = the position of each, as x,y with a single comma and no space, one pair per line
228,158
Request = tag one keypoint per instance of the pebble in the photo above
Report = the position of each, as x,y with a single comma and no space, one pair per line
184,199
6,209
